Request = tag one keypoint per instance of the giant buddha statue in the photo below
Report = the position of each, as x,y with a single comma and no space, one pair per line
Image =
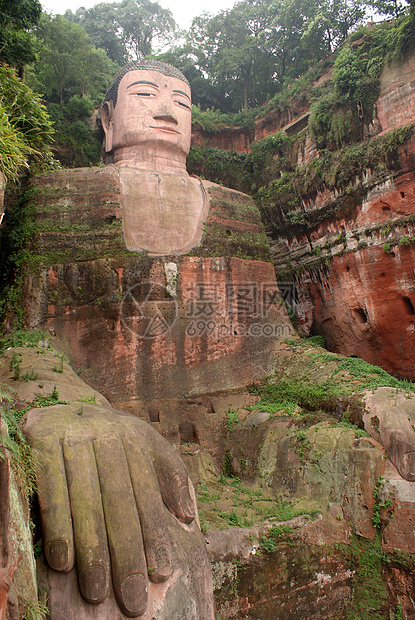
159,283
160,289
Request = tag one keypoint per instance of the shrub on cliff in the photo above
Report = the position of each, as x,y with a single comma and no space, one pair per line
25,127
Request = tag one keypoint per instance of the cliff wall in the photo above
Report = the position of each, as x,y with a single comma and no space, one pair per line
353,265
340,223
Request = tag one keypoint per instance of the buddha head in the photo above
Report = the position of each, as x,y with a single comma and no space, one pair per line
146,117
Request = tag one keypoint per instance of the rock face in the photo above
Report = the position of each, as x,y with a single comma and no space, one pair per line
231,139
18,584
395,106
352,261
321,567
147,330
361,281
324,518
354,265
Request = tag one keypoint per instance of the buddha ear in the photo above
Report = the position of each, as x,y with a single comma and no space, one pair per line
107,122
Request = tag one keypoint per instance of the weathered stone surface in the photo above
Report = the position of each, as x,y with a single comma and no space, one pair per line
396,103
354,296
146,330
292,582
324,467
355,265
228,139
18,585
390,418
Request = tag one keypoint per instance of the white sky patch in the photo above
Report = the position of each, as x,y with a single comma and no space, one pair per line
183,11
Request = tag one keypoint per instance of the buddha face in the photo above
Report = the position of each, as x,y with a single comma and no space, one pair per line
153,111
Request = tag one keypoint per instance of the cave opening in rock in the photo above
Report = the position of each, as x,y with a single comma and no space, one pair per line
154,414
187,432
360,315
408,306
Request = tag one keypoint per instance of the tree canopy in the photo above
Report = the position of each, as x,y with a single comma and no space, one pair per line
236,60
25,128
17,43
128,29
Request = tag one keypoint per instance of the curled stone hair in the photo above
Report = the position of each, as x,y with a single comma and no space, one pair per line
145,64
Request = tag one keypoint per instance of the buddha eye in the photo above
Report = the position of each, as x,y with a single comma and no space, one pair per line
183,105
144,94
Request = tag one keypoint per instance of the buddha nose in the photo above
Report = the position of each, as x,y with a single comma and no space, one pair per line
164,112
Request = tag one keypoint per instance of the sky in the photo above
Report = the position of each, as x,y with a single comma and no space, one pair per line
183,11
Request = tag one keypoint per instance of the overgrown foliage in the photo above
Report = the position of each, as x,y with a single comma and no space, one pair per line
220,166
272,538
24,338
370,600
25,128
293,392
36,611
17,43
15,443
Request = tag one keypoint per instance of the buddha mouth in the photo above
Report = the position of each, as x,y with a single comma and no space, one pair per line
166,129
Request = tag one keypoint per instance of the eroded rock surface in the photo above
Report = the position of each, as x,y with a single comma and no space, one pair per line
151,332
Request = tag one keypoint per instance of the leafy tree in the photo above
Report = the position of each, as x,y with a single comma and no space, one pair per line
68,63
229,48
330,25
392,8
17,44
128,29
204,92
25,128
141,23
250,51
101,25
284,38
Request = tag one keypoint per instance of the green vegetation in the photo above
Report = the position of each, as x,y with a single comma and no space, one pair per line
303,444
25,128
302,386
234,520
272,538
359,432
380,502
370,596
229,502
18,449
59,367
24,338
213,121
15,442
17,42
36,611
281,510
220,166
232,419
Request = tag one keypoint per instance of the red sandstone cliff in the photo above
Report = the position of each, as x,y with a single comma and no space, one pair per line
353,260
354,269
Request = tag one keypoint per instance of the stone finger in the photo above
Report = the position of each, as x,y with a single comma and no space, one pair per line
55,508
152,512
92,557
172,478
128,562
